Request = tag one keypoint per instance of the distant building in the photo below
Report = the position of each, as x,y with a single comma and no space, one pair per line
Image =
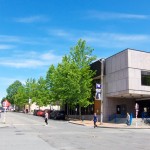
33,107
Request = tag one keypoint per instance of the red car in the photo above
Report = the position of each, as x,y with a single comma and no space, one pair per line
40,113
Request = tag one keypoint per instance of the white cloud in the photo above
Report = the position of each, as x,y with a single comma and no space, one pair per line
22,63
22,40
27,60
18,39
116,36
99,36
4,46
9,38
116,40
7,81
105,39
129,37
32,19
50,56
61,33
34,59
112,15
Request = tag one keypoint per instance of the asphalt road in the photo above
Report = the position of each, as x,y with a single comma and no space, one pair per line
27,132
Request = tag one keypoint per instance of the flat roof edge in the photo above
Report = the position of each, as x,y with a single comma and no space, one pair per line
127,49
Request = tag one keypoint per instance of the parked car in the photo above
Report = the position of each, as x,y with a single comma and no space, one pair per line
2,109
35,112
57,114
60,115
52,114
40,113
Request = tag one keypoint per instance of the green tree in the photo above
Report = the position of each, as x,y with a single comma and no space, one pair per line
71,81
31,89
50,77
81,56
42,95
12,90
20,97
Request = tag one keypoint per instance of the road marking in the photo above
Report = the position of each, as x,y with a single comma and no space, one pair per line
24,124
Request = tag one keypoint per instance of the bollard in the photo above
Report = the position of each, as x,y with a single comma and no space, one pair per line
131,116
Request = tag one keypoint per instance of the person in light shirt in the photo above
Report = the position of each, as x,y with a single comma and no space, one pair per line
128,119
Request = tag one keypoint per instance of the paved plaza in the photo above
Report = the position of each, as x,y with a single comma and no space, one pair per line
28,132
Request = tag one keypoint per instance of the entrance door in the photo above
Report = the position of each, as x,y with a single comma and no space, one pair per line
118,109
121,109
144,106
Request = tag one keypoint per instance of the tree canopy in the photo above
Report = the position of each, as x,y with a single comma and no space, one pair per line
12,91
70,82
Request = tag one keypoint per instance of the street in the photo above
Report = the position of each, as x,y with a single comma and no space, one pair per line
28,132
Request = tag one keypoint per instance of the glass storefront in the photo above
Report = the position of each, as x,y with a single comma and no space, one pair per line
144,108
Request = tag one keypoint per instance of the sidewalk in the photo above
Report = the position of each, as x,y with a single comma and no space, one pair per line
2,125
3,121
109,125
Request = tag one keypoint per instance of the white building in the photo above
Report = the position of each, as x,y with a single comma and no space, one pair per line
126,82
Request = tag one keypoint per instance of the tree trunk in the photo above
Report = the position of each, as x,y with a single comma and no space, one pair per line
80,112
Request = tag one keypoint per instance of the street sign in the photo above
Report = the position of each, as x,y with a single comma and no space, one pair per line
6,103
98,91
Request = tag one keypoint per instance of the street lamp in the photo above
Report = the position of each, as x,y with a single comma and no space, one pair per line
4,106
102,60
136,110
102,87
29,103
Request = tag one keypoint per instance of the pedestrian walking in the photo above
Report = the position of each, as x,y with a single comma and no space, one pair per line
46,117
128,119
95,120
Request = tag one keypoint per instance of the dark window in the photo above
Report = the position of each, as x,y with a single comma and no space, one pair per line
145,78
118,109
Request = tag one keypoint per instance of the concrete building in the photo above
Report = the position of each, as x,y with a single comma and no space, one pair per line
126,81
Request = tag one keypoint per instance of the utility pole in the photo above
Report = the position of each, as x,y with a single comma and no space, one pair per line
102,88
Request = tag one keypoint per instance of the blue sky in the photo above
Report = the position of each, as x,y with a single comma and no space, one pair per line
36,33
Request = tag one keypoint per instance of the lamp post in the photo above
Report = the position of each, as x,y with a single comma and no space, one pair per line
102,88
102,60
4,106
136,111
29,103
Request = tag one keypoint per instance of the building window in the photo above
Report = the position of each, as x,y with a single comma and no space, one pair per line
145,78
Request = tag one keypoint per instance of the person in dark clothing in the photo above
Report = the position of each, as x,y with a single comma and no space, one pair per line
46,117
95,120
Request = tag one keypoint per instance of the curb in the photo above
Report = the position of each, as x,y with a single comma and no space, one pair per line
77,123
3,125
110,126
122,127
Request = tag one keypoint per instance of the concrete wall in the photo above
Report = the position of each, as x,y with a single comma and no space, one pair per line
123,73
111,103
138,61
116,78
